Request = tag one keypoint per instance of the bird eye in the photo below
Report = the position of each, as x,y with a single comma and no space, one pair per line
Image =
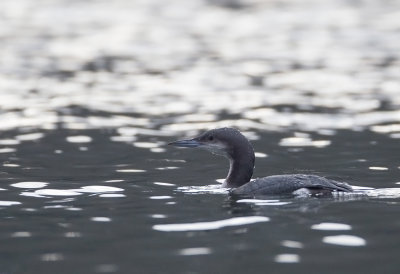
210,138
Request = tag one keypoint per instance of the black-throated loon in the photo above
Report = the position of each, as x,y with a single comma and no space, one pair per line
230,143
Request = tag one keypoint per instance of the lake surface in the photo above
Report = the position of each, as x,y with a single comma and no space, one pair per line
91,92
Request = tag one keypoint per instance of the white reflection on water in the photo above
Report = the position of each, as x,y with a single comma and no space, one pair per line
21,234
164,184
73,209
160,197
9,142
188,84
157,150
30,136
263,202
104,191
55,192
52,257
264,117
10,165
368,192
260,155
100,219
292,244
7,150
167,168
145,145
384,193
98,189
211,225
158,216
331,226
79,139
287,258
130,170
344,240
114,181
32,194
211,189
9,203
113,195
126,139
73,234
301,141
386,128
378,168
192,251
30,184
55,206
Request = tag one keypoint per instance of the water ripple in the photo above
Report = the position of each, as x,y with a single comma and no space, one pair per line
238,221
344,240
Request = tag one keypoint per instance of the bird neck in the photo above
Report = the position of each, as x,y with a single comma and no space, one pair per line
240,170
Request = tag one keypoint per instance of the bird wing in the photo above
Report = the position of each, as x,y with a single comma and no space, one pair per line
286,184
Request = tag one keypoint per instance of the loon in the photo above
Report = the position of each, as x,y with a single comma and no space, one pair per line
232,144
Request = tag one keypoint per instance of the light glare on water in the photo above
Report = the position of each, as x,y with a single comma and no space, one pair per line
91,93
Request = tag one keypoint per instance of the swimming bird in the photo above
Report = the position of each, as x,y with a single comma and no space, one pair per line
232,144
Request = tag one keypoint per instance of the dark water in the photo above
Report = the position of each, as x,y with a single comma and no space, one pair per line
92,91
95,233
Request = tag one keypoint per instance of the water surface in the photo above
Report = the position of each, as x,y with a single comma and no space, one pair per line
91,92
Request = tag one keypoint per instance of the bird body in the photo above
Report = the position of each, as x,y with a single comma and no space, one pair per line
287,184
230,143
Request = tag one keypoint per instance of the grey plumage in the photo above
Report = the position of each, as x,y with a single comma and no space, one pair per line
230,143
282,184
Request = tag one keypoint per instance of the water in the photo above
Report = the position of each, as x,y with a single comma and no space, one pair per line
91,92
